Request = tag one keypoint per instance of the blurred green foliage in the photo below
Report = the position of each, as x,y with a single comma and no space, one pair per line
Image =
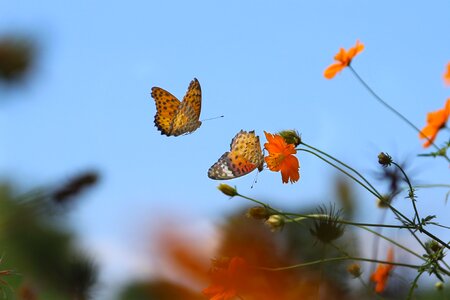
41,250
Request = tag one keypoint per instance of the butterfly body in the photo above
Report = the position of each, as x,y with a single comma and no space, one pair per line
174,118
245,155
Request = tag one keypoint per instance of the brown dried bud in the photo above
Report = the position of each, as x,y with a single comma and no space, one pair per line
384,202
355,270
258,213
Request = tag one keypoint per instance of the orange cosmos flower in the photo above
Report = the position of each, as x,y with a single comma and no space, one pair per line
281,159
447,75
381,274
344,59
226,276
435,121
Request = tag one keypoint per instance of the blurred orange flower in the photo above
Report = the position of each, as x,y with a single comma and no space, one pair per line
435,121
344,59
281,159
447,75
226,279
381,274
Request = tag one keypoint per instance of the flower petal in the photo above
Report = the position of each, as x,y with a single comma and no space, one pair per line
447,75
352,52
435,121
332,70
342,55
344,58
289,169
275,143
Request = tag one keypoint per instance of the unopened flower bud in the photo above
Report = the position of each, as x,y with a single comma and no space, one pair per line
227,190
439,285
354,270
275,222
384,202
258,213
434,249
434,246
384,159
291,137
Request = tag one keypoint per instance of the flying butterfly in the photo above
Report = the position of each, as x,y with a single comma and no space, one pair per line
244,156
174,118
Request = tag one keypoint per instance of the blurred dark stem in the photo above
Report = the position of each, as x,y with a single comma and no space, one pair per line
75,186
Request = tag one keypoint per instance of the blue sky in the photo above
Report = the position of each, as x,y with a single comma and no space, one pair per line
260,63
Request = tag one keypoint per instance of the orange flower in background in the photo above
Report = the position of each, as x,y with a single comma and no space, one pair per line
281,159
226,278
435,121
447,75
381,274
344,59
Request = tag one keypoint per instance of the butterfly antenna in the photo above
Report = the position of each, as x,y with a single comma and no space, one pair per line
255,181
212,118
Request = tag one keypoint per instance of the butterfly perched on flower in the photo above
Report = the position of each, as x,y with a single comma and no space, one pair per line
244,156
174,118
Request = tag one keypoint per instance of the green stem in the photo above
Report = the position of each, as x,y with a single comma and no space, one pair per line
425,186
358,181
267,207
392,241
323,216
342,170
376,240
439,225
360,226
411,192
345,165
413,286
256,201
370,291
410,230
435,238
333,259
385,104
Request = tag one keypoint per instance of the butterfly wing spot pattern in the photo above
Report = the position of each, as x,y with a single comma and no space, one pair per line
174,118
244,156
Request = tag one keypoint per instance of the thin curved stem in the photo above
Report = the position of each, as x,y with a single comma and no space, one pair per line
355,224
345,165
358,181
375,193
429,186
369,289
341,258
385,104
413,286
341,221
393,242
267,207
411,192
429,234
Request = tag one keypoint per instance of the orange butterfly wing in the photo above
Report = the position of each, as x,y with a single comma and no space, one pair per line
186,118
166,108
244,157
174,117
